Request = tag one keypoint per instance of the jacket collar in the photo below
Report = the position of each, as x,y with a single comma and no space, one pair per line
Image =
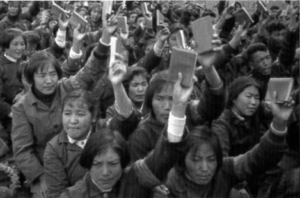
31,99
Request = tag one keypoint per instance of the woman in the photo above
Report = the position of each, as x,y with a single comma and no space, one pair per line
95,16
244,120
158,100
203,172
37,115
106,156
135,83
61,158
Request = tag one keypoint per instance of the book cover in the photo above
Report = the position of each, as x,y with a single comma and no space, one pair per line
159,18
203,34
57,10
242,16
145,9
78,19
183,61
122,23
261,6
282,86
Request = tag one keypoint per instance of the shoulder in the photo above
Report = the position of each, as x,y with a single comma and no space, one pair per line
78,190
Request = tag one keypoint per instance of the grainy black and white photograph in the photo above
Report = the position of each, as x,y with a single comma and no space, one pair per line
149,99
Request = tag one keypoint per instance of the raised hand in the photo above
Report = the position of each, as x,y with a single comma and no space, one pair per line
228,12
164,33
110,25
63,23
77,35
117,72
281,111
124,35
161,192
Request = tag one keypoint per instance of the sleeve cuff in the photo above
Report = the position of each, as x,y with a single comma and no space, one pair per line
217,90
175,128
158,52
61,38
107,45
74,55
276,132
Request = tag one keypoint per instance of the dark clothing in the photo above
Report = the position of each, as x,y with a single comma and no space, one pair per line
34,123
209,107
138,180
239,136
234,170
61,165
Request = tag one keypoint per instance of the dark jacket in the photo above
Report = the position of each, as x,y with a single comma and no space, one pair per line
137,180
34,123
144,138
234,170
61,165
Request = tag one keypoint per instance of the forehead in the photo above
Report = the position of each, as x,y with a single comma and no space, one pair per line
18,39
203,150
75,103
250,89
138,78
167,90
46,68
108,155
13,4
260,54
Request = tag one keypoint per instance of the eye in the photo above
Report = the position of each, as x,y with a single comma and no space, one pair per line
66,113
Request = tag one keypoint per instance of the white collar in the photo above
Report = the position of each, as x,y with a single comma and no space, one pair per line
80,143
237,115
10,58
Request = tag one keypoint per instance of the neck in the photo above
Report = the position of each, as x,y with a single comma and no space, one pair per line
237,114
13,18
46,99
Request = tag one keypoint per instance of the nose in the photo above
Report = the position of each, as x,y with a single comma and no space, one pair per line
140,88
166,104
253,101
204,166
48,79
105,170
20,47
73,119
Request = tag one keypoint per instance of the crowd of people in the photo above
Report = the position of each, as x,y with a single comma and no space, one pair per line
78,120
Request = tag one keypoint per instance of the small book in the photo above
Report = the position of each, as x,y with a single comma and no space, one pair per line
119,47
78,19
107,8
180,39
122,23
159,18
145,10
231,3
282,86
203,34
261,6
242,16
183,61
113,49
57,10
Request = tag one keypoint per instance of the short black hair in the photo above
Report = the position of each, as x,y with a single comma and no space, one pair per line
38,60
8,35
99,142
253,48
275,25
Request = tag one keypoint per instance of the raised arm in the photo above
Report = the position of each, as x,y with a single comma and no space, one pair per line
96,65
72,64
270,150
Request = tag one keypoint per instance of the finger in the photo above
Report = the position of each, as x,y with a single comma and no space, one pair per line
274,97
216,42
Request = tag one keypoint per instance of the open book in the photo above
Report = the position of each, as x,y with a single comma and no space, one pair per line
183,61
78,19
203,34
242,16
282,86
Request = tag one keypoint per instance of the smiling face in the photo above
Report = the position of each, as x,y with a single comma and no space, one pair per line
16,47
46,79
76,119
247,102
201,165
96,14
106,169
162,103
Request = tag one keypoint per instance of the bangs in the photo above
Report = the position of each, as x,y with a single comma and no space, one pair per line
76,102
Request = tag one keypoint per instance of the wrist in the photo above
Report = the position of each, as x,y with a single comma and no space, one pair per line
106,37
76,47
178,109
279,124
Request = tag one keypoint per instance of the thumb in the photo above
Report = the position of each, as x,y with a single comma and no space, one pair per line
274,97
179,78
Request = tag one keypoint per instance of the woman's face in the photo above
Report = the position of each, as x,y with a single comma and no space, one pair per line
46,79
95,14
76,119
165,8
16,48
106,170
137,88
162,103
201,165
173,40
13,8
247,101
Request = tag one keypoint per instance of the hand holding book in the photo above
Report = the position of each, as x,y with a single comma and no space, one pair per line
63,23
